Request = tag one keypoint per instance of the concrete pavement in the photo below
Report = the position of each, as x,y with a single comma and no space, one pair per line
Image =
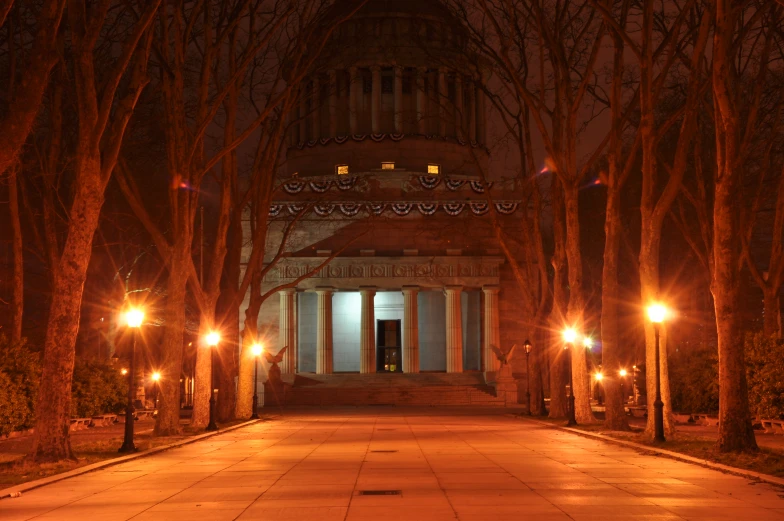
447,465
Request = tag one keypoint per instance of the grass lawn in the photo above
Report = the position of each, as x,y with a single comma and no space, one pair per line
767,460
89,446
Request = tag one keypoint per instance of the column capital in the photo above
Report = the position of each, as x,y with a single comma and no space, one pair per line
492,289
323,290
288,290
455,289
421,69
411,289
375,68
353,69
368,290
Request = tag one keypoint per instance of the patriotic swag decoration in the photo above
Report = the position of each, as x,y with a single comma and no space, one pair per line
400,208
379,138
428,182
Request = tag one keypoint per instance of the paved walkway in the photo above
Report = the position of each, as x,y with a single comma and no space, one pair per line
448,465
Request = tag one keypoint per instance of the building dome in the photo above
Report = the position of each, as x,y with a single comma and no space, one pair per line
393,89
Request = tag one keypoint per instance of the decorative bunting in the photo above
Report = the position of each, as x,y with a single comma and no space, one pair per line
402,208
381,137
376,208
454,184
293,187
429,181
350,209
479,208
427,208
399,208
506,207
453,208
323,210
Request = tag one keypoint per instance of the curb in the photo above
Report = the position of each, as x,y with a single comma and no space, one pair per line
30,485
750,474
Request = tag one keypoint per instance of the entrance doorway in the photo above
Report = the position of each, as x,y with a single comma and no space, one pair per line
388,359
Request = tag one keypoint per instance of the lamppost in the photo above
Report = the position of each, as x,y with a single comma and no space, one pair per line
257,349
569,336
156,376
133,319
598,376
212,340
527,345
622,373
657,313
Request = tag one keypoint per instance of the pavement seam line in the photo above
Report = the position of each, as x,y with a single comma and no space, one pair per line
749,474
30,485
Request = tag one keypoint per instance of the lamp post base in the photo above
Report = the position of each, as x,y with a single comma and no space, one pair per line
528,401
658,421
571,420
127,448
255,415
212,426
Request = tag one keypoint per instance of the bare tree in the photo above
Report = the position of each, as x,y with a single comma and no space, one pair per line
103,120
28,72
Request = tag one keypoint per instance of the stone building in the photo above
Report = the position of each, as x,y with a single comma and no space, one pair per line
388,183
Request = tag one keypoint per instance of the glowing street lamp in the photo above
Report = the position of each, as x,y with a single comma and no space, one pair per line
134,318
598,376
156,376
657,313
570,336
256,349
123,371
212,339
588,342
622,373
527,346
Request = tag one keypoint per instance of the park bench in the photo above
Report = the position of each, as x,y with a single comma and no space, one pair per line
78,424
704,419
638,412
773,426
103,420
145,414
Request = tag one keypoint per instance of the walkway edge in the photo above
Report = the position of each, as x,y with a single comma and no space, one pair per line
30,485
669,453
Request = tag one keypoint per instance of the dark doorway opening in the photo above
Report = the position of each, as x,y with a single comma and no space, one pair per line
388,359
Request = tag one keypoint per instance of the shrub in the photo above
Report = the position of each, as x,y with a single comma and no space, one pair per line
97,388
694,380
764,370
20,370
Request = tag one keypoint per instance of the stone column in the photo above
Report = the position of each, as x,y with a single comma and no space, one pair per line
353,98
492,335
410,330
315,107
443,100
324,331
367,331
454,330
421,100
375,116
333,103
303,114
459,106
472,112
399,99
287,326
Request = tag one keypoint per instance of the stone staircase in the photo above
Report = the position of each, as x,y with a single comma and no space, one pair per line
352,389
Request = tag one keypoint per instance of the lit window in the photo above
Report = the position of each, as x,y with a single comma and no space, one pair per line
433,169
387,166
341,169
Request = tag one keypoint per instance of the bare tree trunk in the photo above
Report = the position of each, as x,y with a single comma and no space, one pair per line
168,420
17,293
735,430
244,405
203,371
576,308
558,368
772,312
615,412
53,411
